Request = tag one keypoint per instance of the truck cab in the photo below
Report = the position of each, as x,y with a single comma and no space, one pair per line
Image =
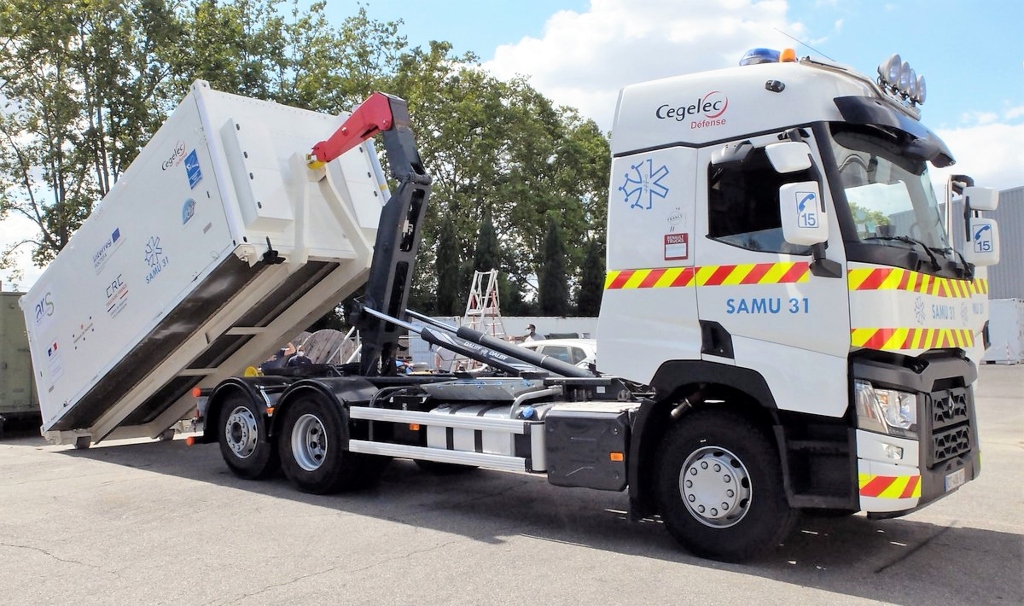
777,226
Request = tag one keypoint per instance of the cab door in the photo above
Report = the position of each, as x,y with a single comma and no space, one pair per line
649,310
761,306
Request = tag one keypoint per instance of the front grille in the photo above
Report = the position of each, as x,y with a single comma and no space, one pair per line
949,408
951,443
950,415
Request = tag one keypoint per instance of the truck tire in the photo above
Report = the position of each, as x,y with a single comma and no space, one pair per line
720,490
312,457
244,442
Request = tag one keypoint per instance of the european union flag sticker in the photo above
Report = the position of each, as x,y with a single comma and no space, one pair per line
192,169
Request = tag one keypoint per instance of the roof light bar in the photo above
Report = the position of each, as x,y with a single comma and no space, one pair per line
898,79
755,56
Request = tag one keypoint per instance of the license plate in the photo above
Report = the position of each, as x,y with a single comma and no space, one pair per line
956,479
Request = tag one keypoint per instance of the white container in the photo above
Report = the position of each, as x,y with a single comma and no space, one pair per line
1006,331
166,286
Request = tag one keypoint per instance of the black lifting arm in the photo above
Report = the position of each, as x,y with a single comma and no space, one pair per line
401,221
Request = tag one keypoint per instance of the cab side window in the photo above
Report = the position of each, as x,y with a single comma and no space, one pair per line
743,204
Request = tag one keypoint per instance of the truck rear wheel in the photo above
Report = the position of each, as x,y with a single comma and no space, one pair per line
720,488
244,441
312,457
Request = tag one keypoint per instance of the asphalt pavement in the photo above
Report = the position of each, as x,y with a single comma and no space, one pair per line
161,522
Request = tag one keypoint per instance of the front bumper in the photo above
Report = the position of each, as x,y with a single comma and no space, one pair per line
898,475
892,488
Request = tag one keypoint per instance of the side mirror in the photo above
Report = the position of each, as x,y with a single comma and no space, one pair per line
983,247
804,222
981,198
789,156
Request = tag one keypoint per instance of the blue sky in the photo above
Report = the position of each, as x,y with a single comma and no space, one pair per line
581,52
971,53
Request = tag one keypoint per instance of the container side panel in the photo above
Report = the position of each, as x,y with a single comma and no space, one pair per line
141,304
159,229
167,336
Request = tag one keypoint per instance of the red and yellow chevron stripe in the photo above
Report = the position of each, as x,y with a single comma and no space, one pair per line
889,487
709,275
891,339
894,278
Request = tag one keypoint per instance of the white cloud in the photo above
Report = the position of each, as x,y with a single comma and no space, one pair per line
979,118
991,153
1014,112
583,59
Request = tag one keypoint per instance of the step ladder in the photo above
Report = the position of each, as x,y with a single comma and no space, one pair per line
483,311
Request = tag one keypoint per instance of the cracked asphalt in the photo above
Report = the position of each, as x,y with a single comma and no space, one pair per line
159,522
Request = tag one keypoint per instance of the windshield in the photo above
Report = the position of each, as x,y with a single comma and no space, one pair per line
890,195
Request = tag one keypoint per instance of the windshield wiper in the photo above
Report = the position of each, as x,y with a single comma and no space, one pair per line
927,249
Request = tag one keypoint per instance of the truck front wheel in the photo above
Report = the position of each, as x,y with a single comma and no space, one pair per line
244,442
720,489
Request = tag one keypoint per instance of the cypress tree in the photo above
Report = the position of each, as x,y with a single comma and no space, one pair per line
591,280
488,254
553,294
448,271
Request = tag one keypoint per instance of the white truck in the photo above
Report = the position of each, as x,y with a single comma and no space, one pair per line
784,327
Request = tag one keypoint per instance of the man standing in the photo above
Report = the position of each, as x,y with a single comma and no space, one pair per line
532,335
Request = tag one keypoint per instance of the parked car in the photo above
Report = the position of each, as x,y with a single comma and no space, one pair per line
579,352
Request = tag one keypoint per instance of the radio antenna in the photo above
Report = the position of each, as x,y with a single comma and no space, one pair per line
803,44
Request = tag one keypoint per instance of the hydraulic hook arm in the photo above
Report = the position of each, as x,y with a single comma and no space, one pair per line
401,220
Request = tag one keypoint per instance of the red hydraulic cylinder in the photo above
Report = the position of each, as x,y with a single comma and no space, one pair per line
371,117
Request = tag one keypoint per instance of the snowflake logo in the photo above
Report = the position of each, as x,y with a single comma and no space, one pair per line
963,313
919,310
154,252
643,183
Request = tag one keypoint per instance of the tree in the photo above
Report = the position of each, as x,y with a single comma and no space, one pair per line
83,81
88,82
334,319
591,280
448,295
553,295
249,47
504,148
488,253
513,303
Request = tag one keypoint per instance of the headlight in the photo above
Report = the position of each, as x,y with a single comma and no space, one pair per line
886,411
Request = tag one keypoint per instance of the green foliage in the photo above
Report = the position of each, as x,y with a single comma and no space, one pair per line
502,147
591,280
81,79
89,81
553,295
449,272
488,253
334,319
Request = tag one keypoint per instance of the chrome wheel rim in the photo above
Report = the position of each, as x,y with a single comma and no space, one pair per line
309,442
242,432
715,486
